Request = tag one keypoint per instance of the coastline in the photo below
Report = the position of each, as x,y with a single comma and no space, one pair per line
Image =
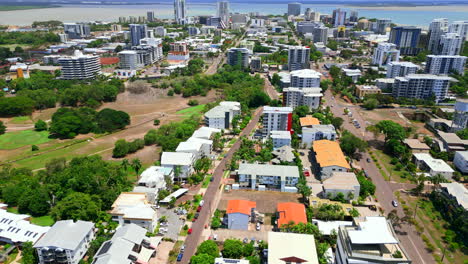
441,8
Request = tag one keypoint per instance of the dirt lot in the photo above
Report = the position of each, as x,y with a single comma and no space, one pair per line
395,115
266,200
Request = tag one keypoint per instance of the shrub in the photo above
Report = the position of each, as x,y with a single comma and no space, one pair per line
120,149
192,102
34,148
157,122
40,125
170,93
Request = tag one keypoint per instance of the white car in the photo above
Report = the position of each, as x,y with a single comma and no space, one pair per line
395,203
257,226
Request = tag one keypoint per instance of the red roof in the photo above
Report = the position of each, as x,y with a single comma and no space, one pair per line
108,60
293,260
240,206
291,212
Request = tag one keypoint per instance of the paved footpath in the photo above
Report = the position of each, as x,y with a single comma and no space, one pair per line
212,193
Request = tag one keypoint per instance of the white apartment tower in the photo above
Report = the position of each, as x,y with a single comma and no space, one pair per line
298,58
223,11
385,53
79,66
276,119
459,27
437,28
137,32
444,64
450,44
402,68
180,12
421,86
294,9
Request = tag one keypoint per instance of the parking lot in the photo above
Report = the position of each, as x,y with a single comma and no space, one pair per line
174,223
266,200
251,234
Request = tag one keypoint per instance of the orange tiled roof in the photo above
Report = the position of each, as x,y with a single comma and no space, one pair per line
240,206
309,121
329,153
288,212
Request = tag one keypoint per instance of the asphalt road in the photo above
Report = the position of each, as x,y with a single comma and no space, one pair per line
192,240
411,241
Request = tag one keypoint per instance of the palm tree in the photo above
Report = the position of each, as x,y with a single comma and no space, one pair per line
124,164
136,165
420,184
394,218
177,172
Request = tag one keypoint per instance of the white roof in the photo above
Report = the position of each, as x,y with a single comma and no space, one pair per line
351,72
154,174
280,110
403,63
175,194
17,228
280,134
327,227
189,146
65,234
436,165
205,132
176,158
375,230
306,73
282,171
200,140
286,245
134,206
459,191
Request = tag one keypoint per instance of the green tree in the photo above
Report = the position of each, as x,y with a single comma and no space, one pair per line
349,143
248,250
2,128
208,247
40,125
121,148
136,165
109,120
304,189
28,254
232,248
77,206
391,130
202,259
370,104
151,137
125,164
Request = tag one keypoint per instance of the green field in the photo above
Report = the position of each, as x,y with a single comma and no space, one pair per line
17,139
191,110
20,119
45,220
21,7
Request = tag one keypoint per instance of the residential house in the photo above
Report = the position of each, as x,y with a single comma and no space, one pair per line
134,208
329,158
426,162
128,245
284,248
369,240
280,138
152,181
354,74
309,121
452,142
416,146
283,154
457,192
181,160
461,161
342,182
262,176
290,213
239,213
17,228
317,132
65,242
193,147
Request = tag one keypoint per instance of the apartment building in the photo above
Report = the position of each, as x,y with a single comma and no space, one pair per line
305,78
134,208
238,57
294,97
445,64
181,160
178,51
265,176
363,90
460,117
406,38
298,58
385,53
401,69
422,86
329,158
77,30
317,132
276,119
79,66
65,242
280,138
221,116
426,162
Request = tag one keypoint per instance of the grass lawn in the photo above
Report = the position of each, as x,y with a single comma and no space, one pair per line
45,220
384,161
12,256
20,119
175,250
13,46
206,181
191,110
17,139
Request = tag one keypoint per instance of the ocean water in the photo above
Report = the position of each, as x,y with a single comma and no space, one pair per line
418,16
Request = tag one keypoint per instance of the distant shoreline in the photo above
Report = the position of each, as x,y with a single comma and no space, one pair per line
25,7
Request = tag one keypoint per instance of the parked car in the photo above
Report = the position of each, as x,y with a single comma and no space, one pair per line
182,248
368,160
257,226
395,203
202,203
180,256
189,231
199,208
246,240
196,215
